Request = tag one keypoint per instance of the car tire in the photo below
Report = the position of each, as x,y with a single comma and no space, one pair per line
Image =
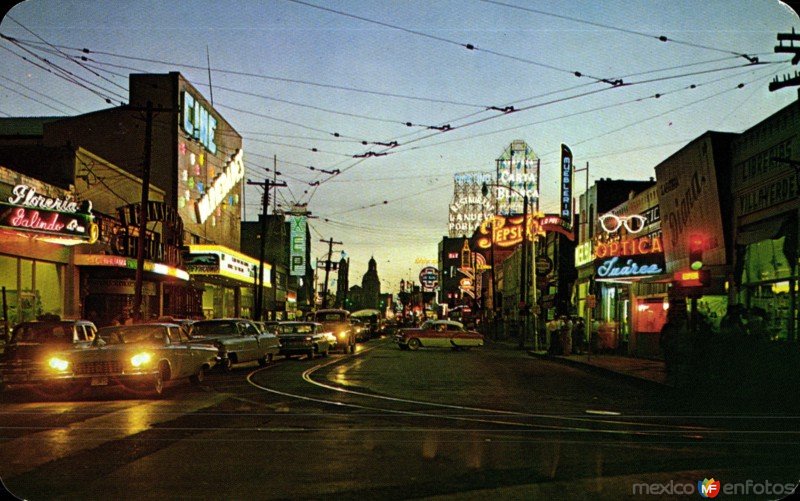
262,362
198,378
159,382
402,346
414,344
310,354
227,364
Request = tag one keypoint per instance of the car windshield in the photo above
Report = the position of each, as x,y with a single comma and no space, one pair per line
132,334
56,333
212,329
295,329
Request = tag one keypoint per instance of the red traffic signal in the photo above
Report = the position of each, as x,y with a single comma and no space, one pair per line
697,244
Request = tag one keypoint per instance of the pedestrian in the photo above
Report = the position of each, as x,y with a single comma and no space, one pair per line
578,337
565,335
552,331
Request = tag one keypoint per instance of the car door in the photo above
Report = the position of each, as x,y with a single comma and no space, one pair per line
177,352
249,342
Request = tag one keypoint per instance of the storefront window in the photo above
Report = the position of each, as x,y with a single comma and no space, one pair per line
765,287
48,279
651,315
33,288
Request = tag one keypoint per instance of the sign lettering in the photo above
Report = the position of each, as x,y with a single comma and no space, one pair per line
232,174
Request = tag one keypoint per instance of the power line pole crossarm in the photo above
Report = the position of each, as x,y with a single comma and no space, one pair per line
330,243
259,281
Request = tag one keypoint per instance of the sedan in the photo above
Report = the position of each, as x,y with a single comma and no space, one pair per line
438,333
308,338
141,356
239,340
30,358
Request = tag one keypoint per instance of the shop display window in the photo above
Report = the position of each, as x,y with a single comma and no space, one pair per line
32,288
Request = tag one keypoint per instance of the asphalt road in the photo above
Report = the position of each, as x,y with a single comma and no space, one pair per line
390,424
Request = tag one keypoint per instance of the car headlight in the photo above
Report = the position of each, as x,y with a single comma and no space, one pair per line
309,338
141,359
343,334
58,364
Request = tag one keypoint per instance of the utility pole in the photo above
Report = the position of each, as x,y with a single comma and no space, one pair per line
148,139
259,282
330,243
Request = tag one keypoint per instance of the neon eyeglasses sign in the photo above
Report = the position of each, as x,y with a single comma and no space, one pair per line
611,223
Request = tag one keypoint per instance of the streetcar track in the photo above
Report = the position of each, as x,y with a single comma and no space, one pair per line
306,376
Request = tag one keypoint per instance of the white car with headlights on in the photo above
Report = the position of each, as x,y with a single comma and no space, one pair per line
140,357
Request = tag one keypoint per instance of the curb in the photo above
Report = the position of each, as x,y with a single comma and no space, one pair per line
642,381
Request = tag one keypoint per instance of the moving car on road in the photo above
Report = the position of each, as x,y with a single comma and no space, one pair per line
438,333
308,338
238,340
140,356
31,356
338,322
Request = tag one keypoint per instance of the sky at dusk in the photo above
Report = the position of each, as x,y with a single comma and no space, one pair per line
331,86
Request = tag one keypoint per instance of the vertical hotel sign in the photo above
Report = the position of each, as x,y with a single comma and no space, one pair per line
297,250
566,185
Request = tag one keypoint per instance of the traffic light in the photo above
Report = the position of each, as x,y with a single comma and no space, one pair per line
697,244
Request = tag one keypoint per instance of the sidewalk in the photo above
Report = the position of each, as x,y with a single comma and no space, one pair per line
640,370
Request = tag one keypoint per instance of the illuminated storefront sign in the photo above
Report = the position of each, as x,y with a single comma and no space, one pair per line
129,263
297,248
616,268
628,247
566,184
198,122
611,223
518,170
232,173
508,231
429,278
583,253
220,260
59,220
554,222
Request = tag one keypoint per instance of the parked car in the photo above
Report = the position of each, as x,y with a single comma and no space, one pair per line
238,340
338,322
307,338
32,355
267,325
438,333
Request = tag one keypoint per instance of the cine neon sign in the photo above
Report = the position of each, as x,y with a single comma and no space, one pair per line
222,184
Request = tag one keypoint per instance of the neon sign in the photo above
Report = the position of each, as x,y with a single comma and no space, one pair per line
611,223
27,196
220,186
198,122
566,183
613,268
628,247
507,231
49,222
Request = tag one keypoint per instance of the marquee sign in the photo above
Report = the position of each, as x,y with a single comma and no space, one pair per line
232,173
220,260
60,219
617,267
